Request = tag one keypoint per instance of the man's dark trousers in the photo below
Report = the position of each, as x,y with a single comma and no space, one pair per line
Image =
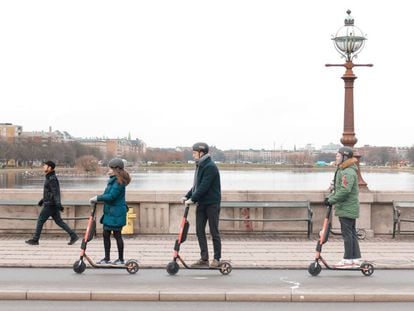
51,211
208,213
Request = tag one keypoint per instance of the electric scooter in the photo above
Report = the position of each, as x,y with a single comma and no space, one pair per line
315,267
173,267
79,266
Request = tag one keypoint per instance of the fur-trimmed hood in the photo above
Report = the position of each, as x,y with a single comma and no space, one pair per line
348,163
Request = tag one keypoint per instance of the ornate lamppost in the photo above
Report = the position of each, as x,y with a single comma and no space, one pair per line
349,41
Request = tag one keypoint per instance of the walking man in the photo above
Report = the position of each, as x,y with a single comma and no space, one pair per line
206,194
51,205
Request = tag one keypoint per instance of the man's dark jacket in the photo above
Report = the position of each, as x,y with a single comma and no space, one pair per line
51,191
207,188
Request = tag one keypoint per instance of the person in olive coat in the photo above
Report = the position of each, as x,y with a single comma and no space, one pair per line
115,209
345,198
206,193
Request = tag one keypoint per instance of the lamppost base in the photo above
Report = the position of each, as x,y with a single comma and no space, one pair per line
363,186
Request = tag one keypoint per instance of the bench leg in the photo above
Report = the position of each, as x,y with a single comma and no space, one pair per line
309,229
393,229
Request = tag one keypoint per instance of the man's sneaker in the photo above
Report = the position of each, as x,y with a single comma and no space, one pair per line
357,262
32,242
119,262
73,240
200,264
344,264
215,263
104,262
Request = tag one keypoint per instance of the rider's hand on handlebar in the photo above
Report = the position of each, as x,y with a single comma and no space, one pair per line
188,202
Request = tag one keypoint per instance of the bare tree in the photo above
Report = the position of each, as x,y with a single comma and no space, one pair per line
87,163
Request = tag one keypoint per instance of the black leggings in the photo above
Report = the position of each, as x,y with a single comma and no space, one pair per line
107,244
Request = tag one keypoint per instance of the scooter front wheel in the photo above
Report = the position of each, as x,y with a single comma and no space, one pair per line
79,266
314,268
132,266
172,268
367,269
225,267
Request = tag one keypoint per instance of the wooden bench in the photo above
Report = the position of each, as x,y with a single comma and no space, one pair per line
247,206
398,218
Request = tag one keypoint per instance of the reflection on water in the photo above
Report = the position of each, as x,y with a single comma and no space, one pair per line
230,180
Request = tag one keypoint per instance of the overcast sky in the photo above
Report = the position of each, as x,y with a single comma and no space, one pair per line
236,74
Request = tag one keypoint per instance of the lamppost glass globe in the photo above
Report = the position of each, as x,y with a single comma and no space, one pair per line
349,39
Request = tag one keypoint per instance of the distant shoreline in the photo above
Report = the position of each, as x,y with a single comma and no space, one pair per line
222,166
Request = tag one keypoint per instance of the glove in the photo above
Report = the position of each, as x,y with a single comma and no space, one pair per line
326,202
61,208
40,203
93,199
183,199
188,202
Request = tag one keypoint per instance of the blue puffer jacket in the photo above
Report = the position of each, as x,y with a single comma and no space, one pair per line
114,205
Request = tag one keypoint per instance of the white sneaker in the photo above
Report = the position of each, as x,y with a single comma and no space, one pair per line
357,261
344,264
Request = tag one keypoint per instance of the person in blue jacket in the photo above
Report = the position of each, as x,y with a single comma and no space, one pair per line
115,209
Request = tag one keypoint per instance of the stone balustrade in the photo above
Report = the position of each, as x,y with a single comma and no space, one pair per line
159,212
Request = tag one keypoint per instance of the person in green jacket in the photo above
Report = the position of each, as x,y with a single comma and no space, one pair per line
115,209
345,198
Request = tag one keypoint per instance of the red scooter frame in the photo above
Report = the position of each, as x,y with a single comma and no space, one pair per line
315,267
79,265
173,267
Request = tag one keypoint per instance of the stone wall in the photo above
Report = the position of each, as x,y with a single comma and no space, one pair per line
160,212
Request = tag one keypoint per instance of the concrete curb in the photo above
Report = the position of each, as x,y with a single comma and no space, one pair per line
230,296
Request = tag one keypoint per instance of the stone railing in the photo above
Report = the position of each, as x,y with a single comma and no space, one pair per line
159,212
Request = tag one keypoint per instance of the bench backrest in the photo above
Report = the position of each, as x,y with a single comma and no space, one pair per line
273,204
398,204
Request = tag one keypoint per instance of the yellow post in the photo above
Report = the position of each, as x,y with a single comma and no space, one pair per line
129,227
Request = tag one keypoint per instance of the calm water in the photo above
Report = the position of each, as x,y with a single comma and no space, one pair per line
231,180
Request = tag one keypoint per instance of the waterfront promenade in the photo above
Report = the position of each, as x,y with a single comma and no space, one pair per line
267,265
251,279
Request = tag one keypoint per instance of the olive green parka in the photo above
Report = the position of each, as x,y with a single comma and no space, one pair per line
346,192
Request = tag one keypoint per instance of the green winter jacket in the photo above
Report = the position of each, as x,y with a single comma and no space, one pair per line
345,195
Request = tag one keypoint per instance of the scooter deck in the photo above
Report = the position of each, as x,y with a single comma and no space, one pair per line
355,268
106,266
201,268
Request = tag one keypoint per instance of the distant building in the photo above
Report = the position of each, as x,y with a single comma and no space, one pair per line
330,148
10,132
115,147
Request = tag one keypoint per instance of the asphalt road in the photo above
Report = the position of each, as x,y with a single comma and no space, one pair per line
193,284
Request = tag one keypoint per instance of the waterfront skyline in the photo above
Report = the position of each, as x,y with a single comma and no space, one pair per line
236,74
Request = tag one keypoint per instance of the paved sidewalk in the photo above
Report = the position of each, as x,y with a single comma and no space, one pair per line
155,251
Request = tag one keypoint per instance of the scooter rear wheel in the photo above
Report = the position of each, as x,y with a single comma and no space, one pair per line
132,266
367,269
314,268
225,267
172,268
79,266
